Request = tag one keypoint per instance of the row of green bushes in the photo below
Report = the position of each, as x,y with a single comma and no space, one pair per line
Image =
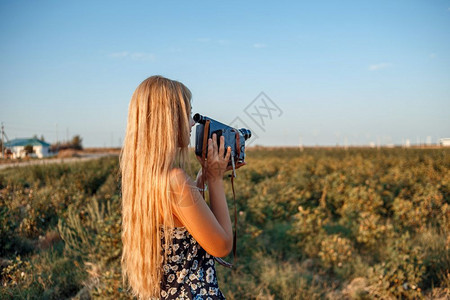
312,224
55,221
349,224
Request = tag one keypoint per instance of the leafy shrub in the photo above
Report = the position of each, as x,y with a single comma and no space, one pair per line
94,238
400,275
334,251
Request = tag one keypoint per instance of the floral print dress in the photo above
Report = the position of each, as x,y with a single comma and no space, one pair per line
189,271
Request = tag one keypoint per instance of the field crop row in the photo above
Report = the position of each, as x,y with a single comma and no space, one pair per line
312,224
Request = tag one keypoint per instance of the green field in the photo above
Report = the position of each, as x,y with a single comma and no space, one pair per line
312,224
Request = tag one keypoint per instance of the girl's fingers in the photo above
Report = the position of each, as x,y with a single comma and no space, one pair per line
221,148
210,148
215,143
227,157
216,155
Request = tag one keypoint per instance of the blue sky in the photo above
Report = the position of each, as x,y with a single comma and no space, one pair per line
339,72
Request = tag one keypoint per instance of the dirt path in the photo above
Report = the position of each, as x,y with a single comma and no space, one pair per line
84,157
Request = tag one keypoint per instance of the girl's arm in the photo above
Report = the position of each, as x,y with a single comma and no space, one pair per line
199,180
210,226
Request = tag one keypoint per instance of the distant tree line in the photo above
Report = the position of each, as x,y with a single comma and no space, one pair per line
75,144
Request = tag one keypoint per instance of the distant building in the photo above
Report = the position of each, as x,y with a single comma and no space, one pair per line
407,143
445,142
18,147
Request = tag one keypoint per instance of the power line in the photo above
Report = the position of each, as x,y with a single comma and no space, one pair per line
30,129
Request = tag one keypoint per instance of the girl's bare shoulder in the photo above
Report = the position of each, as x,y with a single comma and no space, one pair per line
181,184
178,177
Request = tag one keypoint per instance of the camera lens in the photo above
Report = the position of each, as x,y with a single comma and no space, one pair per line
246,133
198,118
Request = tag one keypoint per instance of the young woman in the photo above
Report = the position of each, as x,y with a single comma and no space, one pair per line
169,234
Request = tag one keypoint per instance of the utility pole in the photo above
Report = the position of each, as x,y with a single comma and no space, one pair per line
3,143
56,133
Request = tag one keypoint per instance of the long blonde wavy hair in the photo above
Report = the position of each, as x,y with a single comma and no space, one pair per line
156,140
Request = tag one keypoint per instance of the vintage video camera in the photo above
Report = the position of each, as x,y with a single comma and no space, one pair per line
234,138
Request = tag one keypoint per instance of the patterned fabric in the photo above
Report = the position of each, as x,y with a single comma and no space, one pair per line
189,271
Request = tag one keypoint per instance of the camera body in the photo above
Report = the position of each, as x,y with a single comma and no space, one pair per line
234,138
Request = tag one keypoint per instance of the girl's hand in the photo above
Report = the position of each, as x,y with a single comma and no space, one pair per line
216,163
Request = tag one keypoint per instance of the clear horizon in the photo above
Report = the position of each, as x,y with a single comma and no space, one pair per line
312,73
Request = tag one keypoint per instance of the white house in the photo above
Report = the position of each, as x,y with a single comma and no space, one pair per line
445,142
17,147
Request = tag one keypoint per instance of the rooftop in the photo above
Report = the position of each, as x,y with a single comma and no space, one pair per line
26,142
